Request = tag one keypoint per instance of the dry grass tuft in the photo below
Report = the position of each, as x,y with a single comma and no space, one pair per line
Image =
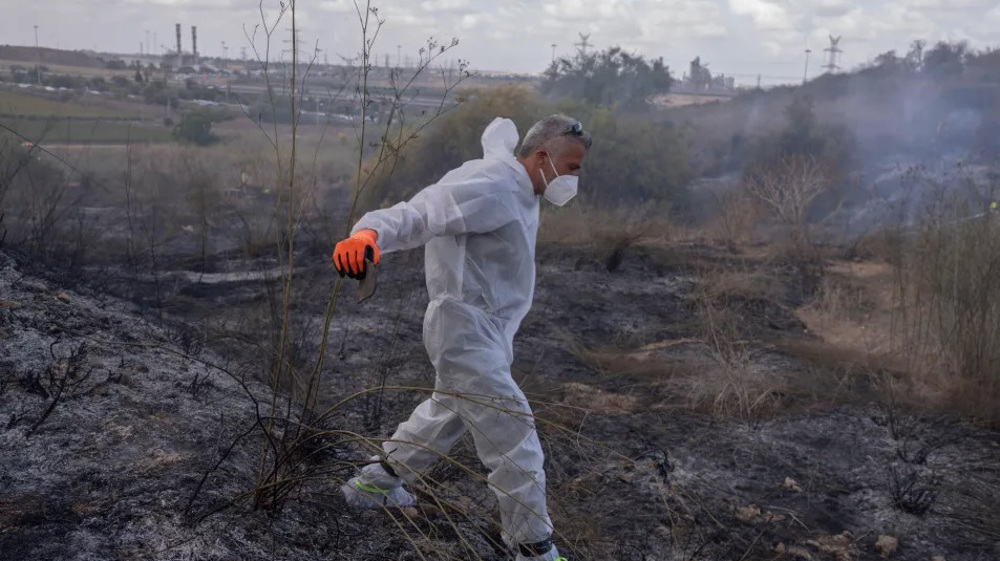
608,233
648,362
598,401
852,310
736,223
748,391
725,285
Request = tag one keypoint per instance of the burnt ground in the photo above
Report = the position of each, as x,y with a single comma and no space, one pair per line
121,423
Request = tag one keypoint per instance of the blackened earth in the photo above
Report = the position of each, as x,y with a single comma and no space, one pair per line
115,413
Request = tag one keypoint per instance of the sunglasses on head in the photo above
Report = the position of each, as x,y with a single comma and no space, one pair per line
576,129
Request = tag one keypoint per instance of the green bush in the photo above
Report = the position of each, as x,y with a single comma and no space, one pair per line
196,128
611,78
156,92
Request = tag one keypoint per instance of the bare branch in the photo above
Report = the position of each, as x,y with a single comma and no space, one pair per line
788,189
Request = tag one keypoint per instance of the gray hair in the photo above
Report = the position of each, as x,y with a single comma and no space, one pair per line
548,129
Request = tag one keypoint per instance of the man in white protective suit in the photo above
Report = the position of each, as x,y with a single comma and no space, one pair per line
478,225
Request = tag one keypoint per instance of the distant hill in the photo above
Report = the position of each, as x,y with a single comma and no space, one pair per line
48,56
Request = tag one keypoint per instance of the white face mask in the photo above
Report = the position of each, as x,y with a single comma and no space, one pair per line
560,190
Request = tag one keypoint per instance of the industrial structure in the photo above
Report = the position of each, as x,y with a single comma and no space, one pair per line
178,58
699,79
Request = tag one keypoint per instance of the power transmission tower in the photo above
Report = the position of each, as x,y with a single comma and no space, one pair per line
584,43
834,50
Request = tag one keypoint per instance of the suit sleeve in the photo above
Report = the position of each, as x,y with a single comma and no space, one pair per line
443,209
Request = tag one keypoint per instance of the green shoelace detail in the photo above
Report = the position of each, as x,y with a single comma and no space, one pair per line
370,489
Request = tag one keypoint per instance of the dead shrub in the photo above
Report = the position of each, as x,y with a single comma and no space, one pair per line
737,219
41,208
787,189
912,491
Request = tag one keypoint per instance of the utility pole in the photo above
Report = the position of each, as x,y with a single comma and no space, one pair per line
38,60
805,75
146,48
553,53
399,55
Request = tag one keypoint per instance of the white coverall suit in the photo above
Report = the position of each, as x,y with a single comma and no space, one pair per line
479,224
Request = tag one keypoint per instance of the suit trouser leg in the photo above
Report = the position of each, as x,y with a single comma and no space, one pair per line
427,436
496,412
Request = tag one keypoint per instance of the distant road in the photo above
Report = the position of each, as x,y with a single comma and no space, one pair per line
428,101
90,145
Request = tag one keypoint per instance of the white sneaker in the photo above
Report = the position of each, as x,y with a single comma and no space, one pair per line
551,555
375,488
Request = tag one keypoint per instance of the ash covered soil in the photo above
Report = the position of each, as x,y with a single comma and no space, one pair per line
120,434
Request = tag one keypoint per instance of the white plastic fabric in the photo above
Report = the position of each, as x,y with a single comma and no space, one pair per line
479,224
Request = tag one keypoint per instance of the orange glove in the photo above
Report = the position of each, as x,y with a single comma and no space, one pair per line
350,254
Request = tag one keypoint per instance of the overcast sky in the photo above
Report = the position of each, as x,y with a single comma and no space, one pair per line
738,37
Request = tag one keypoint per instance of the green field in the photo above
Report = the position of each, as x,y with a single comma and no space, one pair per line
85,131
23,104
88,71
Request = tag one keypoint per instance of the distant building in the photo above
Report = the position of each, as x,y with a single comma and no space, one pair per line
699,79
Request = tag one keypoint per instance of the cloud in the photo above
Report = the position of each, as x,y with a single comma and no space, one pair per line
437,6
336,6
834,8
198,4
768,15
951,5
740,36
